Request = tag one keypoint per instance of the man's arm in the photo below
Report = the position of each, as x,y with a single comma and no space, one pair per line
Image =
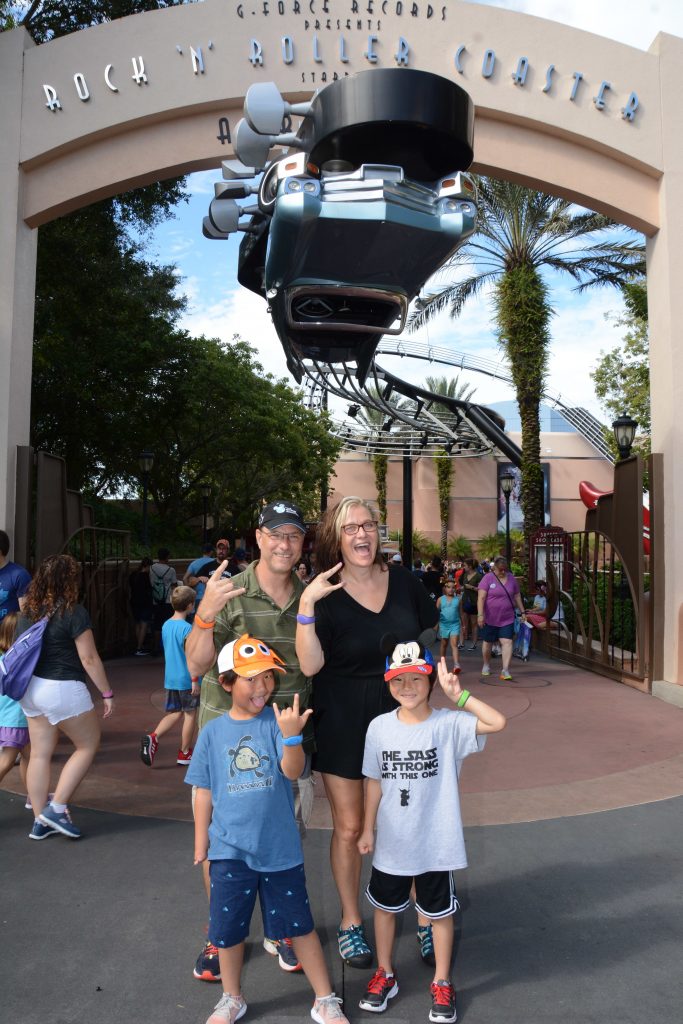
200,650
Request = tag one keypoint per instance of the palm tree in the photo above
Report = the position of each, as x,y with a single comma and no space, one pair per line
444,467
520,234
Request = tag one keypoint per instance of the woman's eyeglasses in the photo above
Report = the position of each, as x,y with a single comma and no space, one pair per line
351,529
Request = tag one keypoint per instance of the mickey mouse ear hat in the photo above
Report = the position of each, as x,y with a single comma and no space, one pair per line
248,656
410,657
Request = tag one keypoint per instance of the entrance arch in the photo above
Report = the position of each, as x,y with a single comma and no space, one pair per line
120,105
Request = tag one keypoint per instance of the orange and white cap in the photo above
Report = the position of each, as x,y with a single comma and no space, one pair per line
247,656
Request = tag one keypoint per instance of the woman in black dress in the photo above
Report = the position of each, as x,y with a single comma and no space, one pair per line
344,612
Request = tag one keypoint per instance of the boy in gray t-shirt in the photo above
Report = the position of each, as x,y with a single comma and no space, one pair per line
412,761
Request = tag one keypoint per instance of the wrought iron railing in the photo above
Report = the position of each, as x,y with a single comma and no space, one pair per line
104,556
596,616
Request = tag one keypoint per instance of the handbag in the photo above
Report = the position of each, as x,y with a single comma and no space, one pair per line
19,661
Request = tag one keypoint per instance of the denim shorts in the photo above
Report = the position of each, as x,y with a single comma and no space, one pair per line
56,699
282,894
181,700
491,634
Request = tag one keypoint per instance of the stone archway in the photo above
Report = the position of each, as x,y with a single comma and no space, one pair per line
158,94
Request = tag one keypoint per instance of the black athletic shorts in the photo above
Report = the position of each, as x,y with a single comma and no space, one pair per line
434,892
342,712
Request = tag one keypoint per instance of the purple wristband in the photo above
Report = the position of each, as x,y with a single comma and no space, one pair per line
305,620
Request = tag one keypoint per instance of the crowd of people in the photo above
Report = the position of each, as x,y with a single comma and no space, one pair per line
275,669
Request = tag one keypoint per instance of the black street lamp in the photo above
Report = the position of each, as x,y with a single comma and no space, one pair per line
205,490
146,461
624,432
507,482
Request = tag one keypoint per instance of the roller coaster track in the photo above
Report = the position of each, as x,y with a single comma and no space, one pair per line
584,422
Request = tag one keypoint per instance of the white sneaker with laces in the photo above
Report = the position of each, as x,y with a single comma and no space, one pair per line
327,1009
228,1010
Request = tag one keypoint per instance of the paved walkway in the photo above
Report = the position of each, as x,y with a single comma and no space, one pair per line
571,904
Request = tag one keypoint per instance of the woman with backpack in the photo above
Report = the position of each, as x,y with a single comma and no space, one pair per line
57,698
163,580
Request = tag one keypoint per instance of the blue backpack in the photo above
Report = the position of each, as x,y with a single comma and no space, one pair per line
18,663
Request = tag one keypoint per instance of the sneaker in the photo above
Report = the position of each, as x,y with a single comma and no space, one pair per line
142,654
461,647
327,1009
284,951
443,1002
505,676
425,937
40,831
228,1010
495,651
184,756
486,670
61,820
380,990
472,647
207,967
353,946
149,745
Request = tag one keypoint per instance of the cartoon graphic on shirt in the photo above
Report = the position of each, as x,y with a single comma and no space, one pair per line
405,797
246,759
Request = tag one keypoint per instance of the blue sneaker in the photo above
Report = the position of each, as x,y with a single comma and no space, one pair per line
60,821
40,831
353,946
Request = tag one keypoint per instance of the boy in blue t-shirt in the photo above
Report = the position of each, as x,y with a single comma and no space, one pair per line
245,826
182,692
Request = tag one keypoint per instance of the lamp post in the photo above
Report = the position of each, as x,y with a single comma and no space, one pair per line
146,461
624,432
507,482
205,490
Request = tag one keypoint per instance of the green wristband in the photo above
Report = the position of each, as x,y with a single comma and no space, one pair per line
464,697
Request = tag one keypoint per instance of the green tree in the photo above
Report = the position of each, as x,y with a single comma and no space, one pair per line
452,388
521,234
47,19
622,375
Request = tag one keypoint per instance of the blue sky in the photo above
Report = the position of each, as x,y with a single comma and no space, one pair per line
581,328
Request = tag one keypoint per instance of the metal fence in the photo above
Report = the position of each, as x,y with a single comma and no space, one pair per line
597,613
104,556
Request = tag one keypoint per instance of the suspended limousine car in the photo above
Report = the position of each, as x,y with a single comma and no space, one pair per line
366,204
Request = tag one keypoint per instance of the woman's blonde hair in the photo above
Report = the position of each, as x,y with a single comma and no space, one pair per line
54,586
328,534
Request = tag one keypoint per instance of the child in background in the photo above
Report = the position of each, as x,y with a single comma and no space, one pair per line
13,724
412,761
182,692
449,622
245,825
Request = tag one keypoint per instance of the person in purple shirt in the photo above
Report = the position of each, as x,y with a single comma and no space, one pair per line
497,598
14,580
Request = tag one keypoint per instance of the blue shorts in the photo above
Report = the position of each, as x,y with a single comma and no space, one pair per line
284,902
447,629
181,700
491,634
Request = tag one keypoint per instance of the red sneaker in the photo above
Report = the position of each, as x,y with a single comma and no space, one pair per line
443,1002
184,756
148,748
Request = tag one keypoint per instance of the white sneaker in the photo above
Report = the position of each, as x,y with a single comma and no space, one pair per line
327,1009
228,1010
486,670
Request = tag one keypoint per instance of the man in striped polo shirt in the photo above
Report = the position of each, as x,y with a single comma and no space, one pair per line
262,601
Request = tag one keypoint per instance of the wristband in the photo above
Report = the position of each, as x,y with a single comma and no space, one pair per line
305,620
108,695
464,697
293,741
204,625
